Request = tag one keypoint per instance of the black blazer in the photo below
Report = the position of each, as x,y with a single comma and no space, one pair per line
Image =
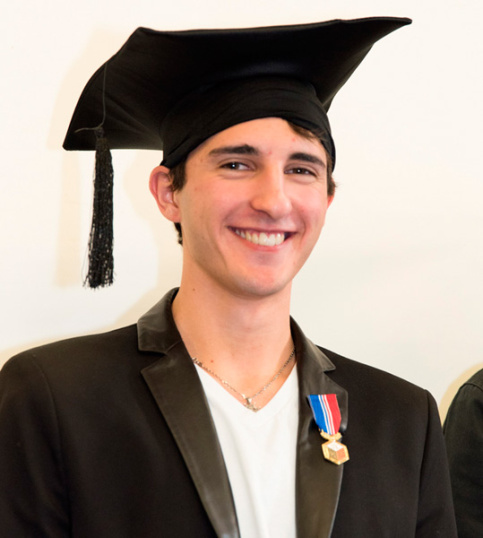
110,436
463,430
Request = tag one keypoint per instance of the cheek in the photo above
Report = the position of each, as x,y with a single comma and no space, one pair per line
221,201
203,209
313,208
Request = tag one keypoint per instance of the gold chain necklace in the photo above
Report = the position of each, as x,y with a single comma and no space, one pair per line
248,399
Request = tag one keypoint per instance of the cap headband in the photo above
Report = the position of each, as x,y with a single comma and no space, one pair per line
210,111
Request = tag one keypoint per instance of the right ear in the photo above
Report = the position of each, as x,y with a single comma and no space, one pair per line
160,185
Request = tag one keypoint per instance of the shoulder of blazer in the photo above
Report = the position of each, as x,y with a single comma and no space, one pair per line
79,359
354,373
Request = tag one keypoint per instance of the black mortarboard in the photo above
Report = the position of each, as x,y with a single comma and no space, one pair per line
172,90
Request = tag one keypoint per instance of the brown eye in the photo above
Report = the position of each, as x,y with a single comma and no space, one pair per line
234,165
299,170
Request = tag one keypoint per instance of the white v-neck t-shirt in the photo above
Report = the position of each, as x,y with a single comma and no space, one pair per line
259,450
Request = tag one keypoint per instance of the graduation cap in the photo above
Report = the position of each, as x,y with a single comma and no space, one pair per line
172,90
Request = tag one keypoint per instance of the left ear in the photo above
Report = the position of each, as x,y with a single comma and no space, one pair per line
160,185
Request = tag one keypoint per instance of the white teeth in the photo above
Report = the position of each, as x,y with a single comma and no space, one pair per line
253,238
264,239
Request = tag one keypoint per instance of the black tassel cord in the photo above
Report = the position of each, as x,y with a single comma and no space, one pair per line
101,260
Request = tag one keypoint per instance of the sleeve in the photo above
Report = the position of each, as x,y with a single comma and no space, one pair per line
435,513
33,502
463,431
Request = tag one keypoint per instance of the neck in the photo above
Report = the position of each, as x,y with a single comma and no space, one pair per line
245,340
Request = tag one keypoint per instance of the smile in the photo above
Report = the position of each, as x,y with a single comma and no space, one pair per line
261,238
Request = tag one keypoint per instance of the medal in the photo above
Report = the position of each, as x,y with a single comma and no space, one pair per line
327,417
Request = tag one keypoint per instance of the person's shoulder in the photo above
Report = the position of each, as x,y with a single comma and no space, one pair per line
476,380
362,380
364,371
75,354
469,395
385,407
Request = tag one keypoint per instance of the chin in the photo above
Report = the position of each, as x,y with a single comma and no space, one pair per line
259,288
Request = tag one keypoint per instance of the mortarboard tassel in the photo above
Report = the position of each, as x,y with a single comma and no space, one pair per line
101,260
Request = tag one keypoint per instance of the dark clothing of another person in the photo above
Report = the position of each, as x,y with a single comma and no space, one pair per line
463,430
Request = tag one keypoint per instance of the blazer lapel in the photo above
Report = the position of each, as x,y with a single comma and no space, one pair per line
318,481
176,387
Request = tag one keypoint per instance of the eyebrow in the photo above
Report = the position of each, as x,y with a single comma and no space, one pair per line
308,158
246,149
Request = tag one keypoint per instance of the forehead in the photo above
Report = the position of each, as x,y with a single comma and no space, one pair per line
265,135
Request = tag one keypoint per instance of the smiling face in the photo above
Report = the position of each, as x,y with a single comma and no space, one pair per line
252,208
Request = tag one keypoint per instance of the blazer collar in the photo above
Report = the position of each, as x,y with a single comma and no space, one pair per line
157,331
175,385
178,392
318,481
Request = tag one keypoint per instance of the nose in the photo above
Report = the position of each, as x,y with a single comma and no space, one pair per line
270,193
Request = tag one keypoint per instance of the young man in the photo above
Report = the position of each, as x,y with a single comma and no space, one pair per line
207,417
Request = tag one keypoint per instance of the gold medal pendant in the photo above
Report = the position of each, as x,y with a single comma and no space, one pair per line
325,408
334,451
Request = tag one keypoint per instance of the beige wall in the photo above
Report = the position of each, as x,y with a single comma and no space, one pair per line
396,279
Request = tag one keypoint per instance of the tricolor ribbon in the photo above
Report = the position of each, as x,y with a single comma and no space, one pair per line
326,412
325,408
